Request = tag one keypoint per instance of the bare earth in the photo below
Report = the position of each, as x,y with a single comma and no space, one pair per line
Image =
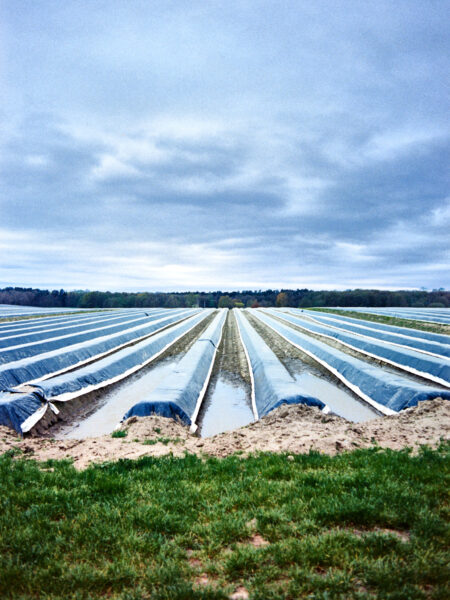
294,429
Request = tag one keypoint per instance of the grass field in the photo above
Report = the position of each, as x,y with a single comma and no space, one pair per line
365,524
396,321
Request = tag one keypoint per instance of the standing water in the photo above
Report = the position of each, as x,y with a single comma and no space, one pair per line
340,401
227,407
117,401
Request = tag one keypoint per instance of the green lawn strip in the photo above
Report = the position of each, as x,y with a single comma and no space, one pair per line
58,314
369,523
397,322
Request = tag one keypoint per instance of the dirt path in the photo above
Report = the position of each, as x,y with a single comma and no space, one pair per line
230,384
231,359
293,429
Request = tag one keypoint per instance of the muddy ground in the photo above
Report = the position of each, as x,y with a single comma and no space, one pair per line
230,365
293,429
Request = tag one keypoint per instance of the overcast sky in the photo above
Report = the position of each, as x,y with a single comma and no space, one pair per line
175,145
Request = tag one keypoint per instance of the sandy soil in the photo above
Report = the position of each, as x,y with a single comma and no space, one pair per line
294,429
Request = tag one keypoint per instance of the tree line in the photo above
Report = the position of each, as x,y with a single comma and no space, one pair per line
300,298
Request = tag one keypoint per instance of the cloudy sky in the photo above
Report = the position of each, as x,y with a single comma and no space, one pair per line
175,145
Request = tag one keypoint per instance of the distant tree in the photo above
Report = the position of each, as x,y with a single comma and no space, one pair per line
191,300
173,301
238,304
255,304
225,302
282,299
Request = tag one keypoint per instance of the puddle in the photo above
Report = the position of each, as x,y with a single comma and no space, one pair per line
226,407
340,402
117,401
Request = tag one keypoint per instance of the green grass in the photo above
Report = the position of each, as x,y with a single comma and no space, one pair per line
162,440
120,433
150,528
433,327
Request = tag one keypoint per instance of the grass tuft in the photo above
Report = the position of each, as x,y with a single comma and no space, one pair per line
119,433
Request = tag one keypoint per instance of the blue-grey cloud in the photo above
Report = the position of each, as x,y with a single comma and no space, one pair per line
181,145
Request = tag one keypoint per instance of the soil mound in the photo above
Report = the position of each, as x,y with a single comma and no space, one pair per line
294,429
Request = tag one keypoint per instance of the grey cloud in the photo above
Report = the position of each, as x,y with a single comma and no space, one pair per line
250,143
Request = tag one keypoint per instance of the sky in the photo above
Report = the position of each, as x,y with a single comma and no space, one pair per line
204,145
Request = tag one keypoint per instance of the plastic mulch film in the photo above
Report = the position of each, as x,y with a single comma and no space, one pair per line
50,363
32,333
385,391
427,315
436,369
100,373
181,393
18,348
402,339
272,383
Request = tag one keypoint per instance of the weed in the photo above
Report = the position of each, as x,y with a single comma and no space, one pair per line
119,433
162,440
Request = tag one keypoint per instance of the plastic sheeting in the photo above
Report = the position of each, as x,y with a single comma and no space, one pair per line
44,365
387,392
429,367
52,342
96,375
181,393
38,333
428,315
30,325
16,310
16,408
441,350
272,383
403,331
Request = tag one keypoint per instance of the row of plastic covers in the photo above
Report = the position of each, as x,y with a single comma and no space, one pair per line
37,343
23,411
434,368
21,329
432,315
15,310
47,328
43,321
404,332
385,391
52,362
421,345
272,384
181,394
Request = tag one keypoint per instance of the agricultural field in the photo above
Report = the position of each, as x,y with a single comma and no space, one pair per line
277,453
11,312
214,370
427,315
